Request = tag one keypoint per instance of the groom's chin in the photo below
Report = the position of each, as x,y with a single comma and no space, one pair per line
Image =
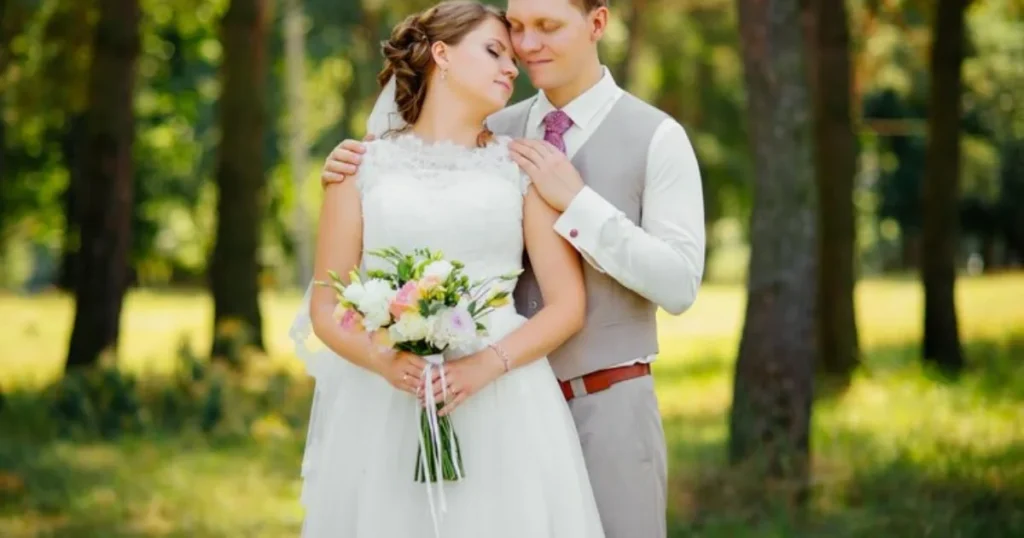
540,79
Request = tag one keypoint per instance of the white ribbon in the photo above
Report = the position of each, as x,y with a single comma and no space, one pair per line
430,406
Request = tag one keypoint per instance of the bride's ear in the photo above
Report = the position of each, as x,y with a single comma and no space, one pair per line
439,51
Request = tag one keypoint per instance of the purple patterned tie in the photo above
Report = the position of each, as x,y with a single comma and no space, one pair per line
556,123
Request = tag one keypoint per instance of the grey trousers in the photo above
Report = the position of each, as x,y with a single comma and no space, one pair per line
624,447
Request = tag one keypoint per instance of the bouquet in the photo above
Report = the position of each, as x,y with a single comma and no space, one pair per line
424,304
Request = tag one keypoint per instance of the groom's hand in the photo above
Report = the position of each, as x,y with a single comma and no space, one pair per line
343,161
555,178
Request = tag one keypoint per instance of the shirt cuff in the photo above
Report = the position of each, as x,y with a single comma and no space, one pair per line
582,221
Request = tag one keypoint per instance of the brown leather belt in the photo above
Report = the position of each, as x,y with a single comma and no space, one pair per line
604,379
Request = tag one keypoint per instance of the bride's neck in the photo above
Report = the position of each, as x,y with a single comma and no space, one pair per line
442,120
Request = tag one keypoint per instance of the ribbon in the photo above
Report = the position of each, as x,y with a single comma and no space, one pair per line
430,407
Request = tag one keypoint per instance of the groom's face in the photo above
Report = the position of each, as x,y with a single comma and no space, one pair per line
553,40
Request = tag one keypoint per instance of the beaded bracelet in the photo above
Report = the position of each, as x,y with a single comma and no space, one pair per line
501,355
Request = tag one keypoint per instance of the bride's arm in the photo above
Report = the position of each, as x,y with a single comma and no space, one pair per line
338,247
559,272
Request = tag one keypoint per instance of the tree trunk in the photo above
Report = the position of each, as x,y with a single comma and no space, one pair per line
3,180
235,267
771,411
634,27
297,145
106,199
941,192
835,169
72,149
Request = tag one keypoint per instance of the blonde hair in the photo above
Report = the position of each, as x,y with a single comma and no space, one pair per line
590,5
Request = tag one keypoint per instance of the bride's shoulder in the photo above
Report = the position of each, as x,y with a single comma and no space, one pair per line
506,165
407,154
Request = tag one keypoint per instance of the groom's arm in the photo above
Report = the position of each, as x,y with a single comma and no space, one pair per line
662,258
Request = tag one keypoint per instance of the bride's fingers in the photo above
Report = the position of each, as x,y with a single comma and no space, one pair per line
450,406
416,361
411,383
440,389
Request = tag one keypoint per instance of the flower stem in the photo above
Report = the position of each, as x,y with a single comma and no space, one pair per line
449,462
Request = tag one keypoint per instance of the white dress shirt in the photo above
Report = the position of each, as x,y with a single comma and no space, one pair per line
662,257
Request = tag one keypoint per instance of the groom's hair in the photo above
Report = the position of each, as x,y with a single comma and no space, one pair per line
590,5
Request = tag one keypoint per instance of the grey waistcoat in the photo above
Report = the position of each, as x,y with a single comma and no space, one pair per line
621,325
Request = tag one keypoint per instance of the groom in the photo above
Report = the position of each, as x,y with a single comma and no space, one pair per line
627,182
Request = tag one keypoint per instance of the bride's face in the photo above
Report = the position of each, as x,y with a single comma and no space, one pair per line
482,66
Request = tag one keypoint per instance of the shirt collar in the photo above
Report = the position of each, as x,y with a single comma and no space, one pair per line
582,109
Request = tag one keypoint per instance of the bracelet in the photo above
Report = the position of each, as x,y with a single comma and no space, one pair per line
501,355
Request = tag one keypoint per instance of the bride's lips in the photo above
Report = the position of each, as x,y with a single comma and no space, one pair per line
503,84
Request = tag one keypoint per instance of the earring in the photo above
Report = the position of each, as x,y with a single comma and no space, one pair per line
444,74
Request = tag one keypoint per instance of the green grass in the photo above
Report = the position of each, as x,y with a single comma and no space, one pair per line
901,453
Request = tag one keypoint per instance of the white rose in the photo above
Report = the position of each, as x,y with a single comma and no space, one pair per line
354,292
440,269
410,327
375,302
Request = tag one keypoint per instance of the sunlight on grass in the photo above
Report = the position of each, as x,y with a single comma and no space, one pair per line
901,453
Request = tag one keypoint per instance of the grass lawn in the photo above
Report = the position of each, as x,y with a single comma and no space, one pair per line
900,454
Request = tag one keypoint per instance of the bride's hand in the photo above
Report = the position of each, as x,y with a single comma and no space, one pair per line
402,370
465,377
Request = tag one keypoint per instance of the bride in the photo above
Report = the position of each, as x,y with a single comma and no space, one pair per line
435,178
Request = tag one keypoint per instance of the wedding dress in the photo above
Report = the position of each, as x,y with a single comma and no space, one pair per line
524,469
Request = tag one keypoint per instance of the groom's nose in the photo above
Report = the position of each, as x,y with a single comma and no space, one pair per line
530,41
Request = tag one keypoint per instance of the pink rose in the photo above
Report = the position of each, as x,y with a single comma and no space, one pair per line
350,320
407,299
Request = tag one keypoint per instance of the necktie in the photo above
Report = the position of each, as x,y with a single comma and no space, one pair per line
556,123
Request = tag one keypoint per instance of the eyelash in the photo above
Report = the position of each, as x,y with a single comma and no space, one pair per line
545,29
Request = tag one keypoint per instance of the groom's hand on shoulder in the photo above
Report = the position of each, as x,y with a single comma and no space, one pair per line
555,178
343,161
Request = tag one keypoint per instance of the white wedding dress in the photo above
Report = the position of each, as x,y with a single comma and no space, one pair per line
524,470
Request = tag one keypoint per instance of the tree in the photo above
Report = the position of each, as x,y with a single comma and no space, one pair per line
941,190
235,267
106,203
835,168
298,148
634,27
772,391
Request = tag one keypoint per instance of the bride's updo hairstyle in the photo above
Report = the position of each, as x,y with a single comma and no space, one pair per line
407,53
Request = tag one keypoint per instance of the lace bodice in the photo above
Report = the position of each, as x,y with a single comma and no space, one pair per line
465,202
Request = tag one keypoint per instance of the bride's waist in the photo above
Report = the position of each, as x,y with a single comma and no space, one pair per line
501,321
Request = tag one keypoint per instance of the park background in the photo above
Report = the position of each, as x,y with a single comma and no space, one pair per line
863,172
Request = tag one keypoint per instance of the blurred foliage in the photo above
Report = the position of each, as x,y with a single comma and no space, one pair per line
210,398
682,56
